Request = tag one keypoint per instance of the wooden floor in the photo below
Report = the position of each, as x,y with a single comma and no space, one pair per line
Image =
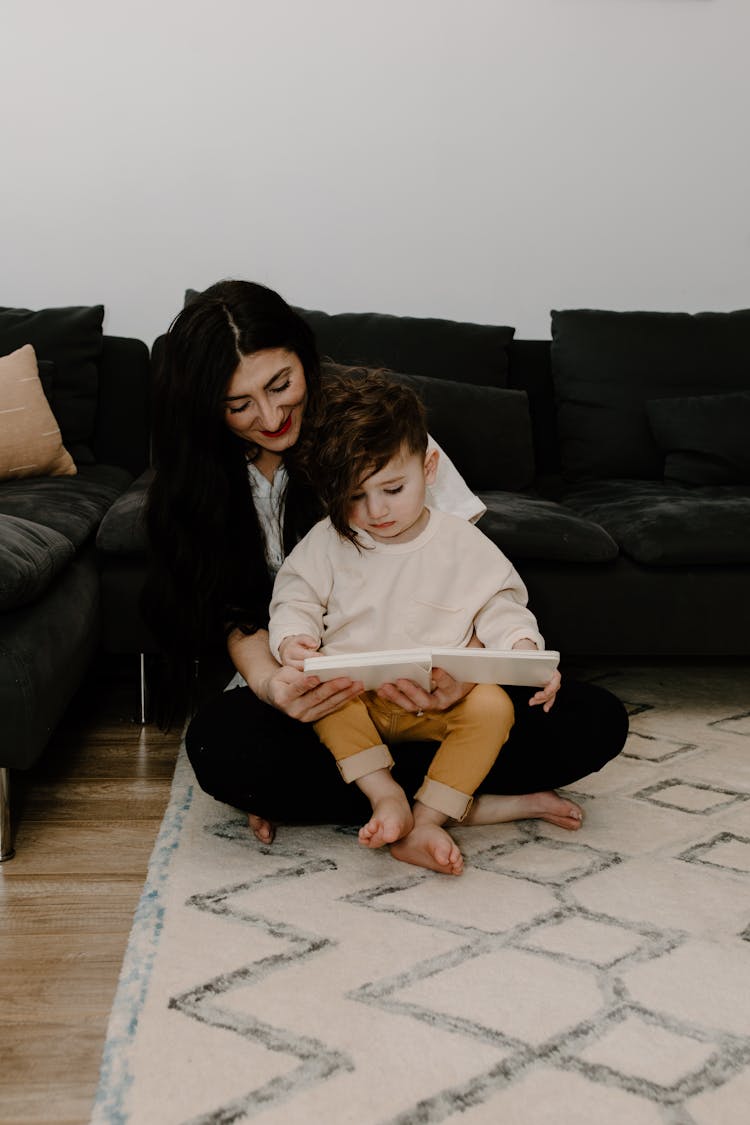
85,819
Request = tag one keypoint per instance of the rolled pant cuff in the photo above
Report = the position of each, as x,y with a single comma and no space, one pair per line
364,762
446,800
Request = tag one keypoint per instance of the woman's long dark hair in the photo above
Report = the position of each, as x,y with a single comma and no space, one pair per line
207,571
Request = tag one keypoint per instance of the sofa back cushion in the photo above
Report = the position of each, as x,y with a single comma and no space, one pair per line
71,339
443,349
607,365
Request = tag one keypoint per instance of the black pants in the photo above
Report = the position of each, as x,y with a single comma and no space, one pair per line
256,758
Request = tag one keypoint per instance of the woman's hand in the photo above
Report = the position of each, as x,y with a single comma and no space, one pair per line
289,690
304,697
445,692
545,697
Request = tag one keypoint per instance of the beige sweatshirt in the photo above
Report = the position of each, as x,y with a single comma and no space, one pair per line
437,590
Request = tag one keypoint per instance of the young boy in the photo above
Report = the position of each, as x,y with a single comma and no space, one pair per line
384,571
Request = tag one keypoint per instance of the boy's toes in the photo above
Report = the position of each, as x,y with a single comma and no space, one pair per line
376,833
454,861
367,833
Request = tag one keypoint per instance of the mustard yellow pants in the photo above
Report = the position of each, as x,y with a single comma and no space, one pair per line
470,733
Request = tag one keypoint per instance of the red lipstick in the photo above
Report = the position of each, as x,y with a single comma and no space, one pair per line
281,430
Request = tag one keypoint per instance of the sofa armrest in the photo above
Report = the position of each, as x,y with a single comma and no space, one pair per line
123,529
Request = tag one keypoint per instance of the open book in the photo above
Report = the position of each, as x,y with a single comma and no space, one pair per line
523,667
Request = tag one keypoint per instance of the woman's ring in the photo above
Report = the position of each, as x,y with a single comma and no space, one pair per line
419,714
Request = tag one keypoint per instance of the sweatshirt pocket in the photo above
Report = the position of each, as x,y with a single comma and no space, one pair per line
430,623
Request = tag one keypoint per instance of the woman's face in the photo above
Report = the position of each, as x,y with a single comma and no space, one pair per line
265,399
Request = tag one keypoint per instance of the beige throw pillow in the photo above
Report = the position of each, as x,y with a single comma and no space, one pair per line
30,441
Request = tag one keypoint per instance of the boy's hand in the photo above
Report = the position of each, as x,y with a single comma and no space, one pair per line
293,651
546,695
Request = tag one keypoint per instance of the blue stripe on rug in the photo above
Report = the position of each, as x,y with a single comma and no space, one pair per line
115,1079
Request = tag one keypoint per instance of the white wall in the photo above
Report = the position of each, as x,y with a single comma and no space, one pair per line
478,159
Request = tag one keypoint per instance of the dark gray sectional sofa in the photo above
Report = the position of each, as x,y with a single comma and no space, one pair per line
50,605
613,461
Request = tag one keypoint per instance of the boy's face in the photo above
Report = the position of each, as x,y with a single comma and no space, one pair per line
389,505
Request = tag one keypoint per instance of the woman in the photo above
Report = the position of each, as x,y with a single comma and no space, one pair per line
240,372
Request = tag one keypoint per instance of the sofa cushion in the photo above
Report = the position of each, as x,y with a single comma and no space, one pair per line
659,523
607,365
72,506
486,431
526,527
123,529
30,557
705,438
443,349
30,442
44,656
72,339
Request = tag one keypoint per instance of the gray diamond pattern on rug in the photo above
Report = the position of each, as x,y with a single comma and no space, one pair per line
601,976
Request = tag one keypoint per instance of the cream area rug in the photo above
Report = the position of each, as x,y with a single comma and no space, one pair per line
600,978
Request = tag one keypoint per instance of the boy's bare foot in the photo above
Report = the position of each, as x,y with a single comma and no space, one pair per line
261,828
391,813
429,845
493,808
391,819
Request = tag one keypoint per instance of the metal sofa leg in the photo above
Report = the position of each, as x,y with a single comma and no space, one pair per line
144,692
6,840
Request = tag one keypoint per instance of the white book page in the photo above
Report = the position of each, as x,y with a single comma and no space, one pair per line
518,667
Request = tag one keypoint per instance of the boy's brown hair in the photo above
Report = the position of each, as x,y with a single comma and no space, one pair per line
365,419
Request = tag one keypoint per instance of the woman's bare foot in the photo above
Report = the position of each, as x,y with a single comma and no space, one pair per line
261,828
492,808
429,845
391,819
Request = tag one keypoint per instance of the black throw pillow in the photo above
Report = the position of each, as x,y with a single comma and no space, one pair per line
705,438
486,431
607,365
